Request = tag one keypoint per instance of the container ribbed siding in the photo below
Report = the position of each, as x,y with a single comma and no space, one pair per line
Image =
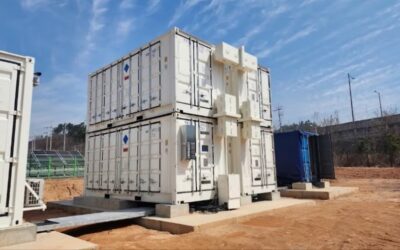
175,72
167,119
145,159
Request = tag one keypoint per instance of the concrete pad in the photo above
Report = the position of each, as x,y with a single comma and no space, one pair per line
17,234
171,211
53,240
103,203
70,207
319,193
245,200
202,221
302,185
271,196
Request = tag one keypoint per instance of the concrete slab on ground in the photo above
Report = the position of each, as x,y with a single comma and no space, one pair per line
17,234
201,221
327,193
54,240
88,219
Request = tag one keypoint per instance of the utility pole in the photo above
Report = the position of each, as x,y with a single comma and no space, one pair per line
50,128
280,114
351,96
380,102
47,139
64,137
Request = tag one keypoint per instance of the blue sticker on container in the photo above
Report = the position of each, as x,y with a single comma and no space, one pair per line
126,68
125,139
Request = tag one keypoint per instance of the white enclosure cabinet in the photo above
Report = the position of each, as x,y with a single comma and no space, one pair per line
16,83
170,159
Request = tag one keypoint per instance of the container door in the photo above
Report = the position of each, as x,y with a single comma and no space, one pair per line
183,70
99,96
252,88
124,150
134,76
105,162
96,166
145,79
90,162
92,100
325,159
8,82
264,83
185,173
126,84
268,159
203,75
206,157
155,68
107,94
114,91
155,157
133,159
255,162
113,161
144,177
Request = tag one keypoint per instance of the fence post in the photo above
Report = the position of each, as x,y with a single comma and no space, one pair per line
75,166
49,167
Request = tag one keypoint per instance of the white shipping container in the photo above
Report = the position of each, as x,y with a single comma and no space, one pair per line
175,72
16,83
173,159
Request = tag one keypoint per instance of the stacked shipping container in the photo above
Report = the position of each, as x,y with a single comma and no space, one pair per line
159,127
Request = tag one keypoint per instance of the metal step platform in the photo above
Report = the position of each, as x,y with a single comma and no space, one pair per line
88,219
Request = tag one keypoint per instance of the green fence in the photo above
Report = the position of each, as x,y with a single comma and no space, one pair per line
55,164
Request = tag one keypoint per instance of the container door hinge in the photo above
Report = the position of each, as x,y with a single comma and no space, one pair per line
15,113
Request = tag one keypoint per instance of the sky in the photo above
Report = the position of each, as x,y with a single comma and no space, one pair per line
309,46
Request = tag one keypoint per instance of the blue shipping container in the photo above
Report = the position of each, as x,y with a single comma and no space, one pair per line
292,152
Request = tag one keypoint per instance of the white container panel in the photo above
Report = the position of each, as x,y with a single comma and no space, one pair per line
155,69
112,161
92,100
106,95
203,72
126,85
134,78
124,152
99,97
145,76
97,162
105,161
206,156
114,91
133,159
264,83
183,70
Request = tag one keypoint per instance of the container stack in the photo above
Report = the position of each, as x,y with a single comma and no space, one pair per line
170,118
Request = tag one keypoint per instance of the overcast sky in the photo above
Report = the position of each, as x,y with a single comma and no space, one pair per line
310,46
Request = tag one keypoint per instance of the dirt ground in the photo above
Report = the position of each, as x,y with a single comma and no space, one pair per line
369,219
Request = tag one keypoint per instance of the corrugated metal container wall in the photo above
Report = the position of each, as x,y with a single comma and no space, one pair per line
146,160
173,73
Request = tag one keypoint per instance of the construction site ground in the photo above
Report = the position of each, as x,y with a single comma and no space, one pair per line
368,219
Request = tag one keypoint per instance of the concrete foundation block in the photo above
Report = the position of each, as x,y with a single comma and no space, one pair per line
245,200
103,203
17,234
171,211
302,185
324,184
271,196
